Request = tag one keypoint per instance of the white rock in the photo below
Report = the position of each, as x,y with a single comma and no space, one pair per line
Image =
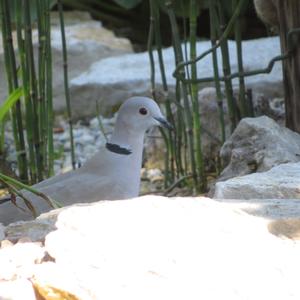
257,145
17,261
118,78
54,282
281,182
153,248
19,289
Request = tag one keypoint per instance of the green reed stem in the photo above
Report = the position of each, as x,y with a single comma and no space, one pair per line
66,80
12,78
224,36
150,49
151,38
187,110
49,91
213,38
194,97
33,90
26,85
238,39
220,21
169,138
41,82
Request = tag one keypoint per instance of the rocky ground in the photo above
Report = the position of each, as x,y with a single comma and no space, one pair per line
153,248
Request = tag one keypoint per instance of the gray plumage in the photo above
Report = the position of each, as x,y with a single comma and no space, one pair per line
107,175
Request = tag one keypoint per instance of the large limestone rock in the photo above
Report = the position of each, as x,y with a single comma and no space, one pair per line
211,138
112,80
281,182
257,145
155,247
87,42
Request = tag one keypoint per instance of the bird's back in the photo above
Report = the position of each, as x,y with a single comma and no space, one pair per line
104,177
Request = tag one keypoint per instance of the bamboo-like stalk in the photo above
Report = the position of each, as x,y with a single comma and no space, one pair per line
188,86
213,38
151,38
169,138
12,77
49,103
187,110
25,81
40,4
194,97
181,144
238,39
66,80
7,71
33,90
150,49
232,109
185,41
224,36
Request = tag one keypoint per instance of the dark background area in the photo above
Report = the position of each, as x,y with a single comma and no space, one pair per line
133,24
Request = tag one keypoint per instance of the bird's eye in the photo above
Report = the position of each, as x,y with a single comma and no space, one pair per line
143,111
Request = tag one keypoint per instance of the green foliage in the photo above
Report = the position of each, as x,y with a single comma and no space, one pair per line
14,186
33,9
10,102
33,72
182,8
184,150
127,4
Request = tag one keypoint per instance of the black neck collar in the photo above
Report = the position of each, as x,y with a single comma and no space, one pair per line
115,148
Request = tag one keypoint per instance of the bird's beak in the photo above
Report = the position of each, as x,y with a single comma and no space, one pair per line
164,123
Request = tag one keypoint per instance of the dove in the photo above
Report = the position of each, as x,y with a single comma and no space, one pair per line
113,173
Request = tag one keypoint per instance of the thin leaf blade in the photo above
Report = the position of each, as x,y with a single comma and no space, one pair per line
10,101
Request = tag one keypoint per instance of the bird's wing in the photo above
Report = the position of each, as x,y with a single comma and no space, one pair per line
82,188
85,187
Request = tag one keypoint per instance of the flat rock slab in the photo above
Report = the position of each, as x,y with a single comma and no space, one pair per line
281,182
270,209
182,248
110,81
157,248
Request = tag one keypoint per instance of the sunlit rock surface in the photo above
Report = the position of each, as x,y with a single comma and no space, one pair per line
155,247
281,182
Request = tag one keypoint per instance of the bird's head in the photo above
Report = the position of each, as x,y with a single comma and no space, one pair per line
141,113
